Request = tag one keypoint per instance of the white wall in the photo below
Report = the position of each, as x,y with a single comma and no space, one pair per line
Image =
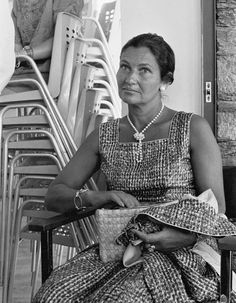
179,23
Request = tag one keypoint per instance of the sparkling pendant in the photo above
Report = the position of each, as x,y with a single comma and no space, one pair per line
139,136
137,152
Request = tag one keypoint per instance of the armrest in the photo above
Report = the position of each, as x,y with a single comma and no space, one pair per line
54,220
49,220
46,221
45,226
227,243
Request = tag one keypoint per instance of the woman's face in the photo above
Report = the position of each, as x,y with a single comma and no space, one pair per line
138,77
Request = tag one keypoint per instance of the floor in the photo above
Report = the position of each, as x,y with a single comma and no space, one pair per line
22,288
22,284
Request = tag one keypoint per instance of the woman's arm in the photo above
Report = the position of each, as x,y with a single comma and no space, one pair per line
206,160
41,51
61,192
18,41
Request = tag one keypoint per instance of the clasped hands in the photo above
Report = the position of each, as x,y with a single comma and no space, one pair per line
168,239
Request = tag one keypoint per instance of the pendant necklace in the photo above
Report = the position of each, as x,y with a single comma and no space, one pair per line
139,136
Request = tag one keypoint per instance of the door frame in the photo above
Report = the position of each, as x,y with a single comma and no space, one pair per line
209,68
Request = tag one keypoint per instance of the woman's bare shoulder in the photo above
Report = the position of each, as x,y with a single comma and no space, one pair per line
199,124
201,132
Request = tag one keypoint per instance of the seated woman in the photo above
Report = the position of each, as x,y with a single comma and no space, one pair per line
34,30
154,155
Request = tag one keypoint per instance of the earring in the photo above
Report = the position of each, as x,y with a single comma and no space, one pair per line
162,88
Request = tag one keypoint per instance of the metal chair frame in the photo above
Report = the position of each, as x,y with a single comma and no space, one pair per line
62,141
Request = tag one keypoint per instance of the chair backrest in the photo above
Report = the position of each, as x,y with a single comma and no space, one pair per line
67,26
106,17
229,173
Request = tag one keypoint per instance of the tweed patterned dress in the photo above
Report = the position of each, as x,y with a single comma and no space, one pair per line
164,174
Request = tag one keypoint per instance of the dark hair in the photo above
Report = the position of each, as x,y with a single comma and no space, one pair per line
160,49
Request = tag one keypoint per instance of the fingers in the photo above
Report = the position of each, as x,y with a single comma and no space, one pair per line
119,202
168,239
147,238
151,242
123,199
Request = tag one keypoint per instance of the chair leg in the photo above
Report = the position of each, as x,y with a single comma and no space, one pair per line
9,280
33,259
226,276
46,254
36,272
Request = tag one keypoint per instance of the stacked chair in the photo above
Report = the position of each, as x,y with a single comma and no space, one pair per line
41,130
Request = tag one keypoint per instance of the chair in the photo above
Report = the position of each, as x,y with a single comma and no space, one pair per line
19,173
67,26
67,29
22,144
30,122
226,244
38,141
89,100
106,17
9,124
76,77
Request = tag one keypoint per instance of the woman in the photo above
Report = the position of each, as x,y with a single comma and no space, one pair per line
34,23
155,155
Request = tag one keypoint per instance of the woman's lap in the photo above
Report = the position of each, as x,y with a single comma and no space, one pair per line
182,277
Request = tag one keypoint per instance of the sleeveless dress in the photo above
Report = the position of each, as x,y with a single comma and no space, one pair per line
165,174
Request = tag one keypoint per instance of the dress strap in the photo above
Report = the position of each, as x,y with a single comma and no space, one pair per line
109,133
180,128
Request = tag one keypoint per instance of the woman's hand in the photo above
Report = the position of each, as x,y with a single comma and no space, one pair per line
102,197
168,239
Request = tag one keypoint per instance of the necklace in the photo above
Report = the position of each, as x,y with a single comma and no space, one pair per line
139,136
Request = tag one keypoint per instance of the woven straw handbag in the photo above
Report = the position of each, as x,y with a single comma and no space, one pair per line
110,224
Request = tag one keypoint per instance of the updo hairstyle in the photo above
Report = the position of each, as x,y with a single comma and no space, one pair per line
161,50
